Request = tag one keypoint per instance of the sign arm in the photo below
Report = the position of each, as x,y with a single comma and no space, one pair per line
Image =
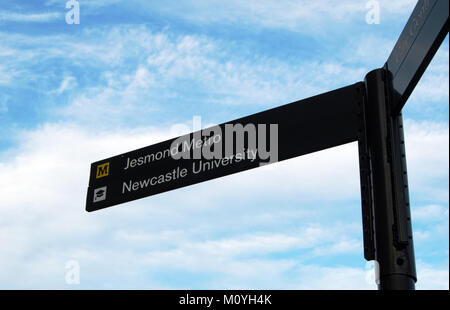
418,43
306,126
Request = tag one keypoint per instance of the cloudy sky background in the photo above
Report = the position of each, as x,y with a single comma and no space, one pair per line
131,70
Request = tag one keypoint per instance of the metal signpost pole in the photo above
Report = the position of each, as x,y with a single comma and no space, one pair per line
393,242
384,184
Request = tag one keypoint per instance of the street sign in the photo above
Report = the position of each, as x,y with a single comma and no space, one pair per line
418,42
291,130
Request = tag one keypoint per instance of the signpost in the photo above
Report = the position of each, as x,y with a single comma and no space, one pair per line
368,112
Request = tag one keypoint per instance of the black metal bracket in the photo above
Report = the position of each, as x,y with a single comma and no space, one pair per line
397,160
365,181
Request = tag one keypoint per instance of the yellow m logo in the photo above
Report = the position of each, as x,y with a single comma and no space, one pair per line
102,170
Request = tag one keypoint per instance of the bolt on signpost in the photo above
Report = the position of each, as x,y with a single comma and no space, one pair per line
368,112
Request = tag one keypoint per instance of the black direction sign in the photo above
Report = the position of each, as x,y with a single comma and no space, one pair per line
291,130
418,42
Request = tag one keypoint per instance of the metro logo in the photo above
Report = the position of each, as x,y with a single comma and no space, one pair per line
102,170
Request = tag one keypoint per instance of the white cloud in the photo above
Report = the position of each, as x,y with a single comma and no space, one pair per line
427,152
334,278
340,247
432,278
430,213
163,68
4,103
67,83
6,75
30,17
205,68
372,50
421,236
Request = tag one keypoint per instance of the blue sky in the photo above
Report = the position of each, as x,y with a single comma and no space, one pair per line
132,71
